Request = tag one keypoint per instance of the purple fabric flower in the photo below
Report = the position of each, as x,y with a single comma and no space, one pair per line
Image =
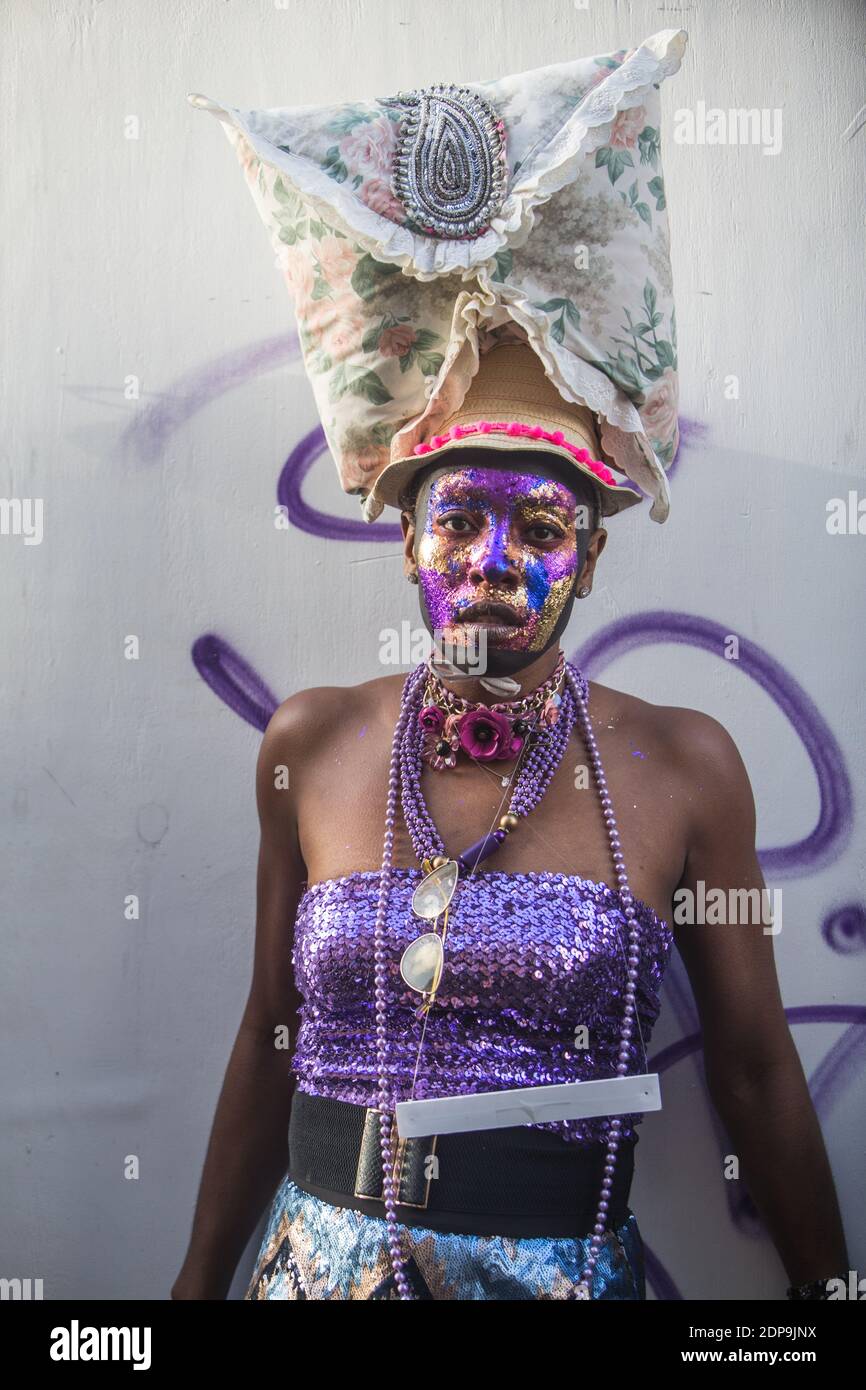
486,735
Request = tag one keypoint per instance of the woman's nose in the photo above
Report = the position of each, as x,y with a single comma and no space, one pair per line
493,560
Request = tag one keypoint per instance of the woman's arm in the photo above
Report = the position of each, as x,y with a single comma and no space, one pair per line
753,1072
247,1155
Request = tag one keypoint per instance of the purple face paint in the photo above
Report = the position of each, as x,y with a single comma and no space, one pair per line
501,537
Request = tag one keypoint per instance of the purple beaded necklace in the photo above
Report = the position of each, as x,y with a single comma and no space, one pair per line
404,779
547,744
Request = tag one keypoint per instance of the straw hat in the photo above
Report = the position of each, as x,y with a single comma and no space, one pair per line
511,405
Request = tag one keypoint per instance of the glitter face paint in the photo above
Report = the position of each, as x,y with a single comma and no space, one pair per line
501,536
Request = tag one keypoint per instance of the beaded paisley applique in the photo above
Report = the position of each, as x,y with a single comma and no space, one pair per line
449,171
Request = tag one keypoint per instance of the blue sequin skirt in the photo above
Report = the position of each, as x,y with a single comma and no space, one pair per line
313,1249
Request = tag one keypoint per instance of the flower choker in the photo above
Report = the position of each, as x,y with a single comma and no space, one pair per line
485,733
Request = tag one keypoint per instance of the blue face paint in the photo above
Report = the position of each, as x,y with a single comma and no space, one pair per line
506,537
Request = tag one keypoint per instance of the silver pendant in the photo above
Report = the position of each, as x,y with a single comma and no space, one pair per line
450,171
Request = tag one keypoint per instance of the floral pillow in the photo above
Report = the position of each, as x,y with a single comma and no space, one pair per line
565,244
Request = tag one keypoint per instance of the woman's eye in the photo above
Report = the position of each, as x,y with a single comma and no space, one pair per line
552,533
458,525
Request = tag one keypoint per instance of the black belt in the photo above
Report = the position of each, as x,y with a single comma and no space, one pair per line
516,1182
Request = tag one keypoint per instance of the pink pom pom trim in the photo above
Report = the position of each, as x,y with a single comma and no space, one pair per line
517,427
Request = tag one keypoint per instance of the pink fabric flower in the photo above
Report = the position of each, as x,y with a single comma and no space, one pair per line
369,148
451,730
368,459
298,275
627,127
343,336
396,341
436,760
250,161
486,735
377,195
431,718
659,412
336,259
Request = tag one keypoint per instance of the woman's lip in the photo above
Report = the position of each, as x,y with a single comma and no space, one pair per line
488,621
497,615
494,631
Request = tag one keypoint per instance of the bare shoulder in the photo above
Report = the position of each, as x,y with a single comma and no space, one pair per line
303,739
311,717
692,743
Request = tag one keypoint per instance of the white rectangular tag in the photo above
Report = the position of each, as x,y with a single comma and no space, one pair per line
570,1100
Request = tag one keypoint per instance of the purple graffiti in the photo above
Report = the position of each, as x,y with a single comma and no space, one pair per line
841,1066
853,1014
690,432
832,831
844,928
232,680
307,518
146,437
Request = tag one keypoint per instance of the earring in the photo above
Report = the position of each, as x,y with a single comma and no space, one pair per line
412,576
583,591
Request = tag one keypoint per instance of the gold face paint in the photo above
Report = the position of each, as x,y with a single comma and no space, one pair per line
493,535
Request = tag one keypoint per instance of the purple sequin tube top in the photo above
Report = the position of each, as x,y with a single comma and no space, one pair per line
531,993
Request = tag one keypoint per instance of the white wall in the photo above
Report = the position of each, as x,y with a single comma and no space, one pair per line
144,257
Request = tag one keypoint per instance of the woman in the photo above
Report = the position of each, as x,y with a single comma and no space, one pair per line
547,965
